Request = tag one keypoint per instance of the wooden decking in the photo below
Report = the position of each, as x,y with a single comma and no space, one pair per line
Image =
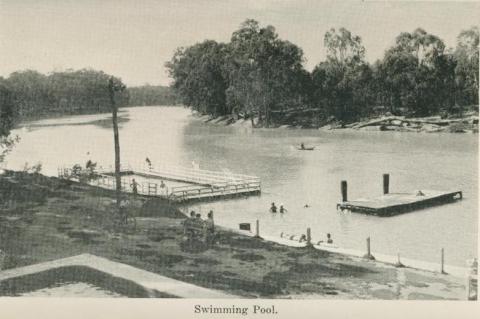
195,184
396,203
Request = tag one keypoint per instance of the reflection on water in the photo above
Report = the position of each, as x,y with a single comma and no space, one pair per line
294,178
104,122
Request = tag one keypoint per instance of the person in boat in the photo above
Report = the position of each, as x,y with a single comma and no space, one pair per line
302,238
282,209
306,206
302,146
273,208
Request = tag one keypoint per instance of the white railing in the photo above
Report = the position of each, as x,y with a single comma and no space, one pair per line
205,183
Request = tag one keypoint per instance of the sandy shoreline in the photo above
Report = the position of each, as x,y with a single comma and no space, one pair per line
432,124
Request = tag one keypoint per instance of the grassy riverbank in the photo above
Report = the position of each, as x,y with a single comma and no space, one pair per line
46,218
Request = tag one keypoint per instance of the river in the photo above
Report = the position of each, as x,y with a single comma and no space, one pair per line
171,135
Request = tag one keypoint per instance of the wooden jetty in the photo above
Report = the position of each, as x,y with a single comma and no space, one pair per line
390,204
195,184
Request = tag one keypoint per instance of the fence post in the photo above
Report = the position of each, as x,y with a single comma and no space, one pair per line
257,229
369,253
399,263
309,237
472,280
442,269
2,259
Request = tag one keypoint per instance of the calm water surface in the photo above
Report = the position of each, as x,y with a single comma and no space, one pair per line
291,177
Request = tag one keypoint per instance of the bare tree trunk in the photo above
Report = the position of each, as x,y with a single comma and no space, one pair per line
118,178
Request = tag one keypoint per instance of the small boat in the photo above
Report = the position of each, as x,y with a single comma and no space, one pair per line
311,148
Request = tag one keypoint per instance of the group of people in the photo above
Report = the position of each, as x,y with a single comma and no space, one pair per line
303,238
134,186
195,227
273,208
282,209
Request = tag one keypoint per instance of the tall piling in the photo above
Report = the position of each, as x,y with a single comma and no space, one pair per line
343,186
386,183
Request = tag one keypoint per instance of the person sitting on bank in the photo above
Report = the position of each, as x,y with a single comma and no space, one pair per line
162,184
198,222
420,193
282,209
273,208
302,238
188,223
124,203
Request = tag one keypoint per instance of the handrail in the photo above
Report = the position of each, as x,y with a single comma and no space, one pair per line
209,183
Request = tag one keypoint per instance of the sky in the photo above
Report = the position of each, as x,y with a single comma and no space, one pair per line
132,39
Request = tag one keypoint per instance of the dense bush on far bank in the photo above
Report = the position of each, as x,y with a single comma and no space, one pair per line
257,75
34,94
151,95
29,94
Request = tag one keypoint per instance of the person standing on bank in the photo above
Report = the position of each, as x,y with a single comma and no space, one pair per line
209,227
134,186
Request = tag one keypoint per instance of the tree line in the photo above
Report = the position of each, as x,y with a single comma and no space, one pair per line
151,95
33,94
260,76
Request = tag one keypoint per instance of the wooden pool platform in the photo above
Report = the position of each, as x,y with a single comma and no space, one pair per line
390,204
196,184
397,203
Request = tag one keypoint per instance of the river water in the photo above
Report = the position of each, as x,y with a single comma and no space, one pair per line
289,177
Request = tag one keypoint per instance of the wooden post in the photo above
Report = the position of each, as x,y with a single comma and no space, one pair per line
471,283
112,87
386,182
369,253
399,263
2,259
257,229
309,237
442,269
344,191
368,246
